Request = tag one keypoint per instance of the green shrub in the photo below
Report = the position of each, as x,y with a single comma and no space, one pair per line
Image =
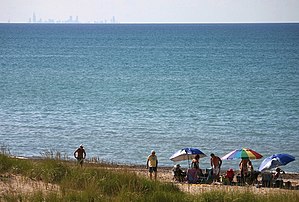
49,170
6,163
248,196
14,165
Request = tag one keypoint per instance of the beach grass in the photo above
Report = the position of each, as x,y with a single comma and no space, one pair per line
96,182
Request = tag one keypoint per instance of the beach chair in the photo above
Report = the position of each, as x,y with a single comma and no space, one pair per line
267,179
209,173
192,176
178,174
278,183
239,180
288,185
252,177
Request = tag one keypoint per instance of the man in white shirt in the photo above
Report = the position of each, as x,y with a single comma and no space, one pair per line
152,164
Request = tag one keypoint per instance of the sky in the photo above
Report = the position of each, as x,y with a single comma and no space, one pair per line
151,11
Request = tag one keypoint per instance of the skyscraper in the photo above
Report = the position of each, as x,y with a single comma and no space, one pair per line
33,18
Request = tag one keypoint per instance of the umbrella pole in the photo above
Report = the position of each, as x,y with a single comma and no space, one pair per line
187,174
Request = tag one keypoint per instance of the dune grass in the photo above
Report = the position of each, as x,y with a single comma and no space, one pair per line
98,183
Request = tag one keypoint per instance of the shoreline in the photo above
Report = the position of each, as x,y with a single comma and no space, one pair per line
19,182
93,161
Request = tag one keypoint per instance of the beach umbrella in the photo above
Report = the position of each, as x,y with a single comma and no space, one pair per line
186,154
275,161
243,153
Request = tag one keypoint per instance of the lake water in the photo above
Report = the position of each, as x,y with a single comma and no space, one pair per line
125,89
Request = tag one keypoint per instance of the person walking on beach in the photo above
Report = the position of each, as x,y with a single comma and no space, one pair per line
80,155
216,163
152,164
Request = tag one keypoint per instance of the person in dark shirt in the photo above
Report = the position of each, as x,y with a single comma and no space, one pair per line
80,155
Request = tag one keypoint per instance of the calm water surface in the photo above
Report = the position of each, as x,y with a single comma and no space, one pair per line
123,90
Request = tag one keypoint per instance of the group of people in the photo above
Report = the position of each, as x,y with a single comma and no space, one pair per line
193,174
273,179
245,165
152,163
216,162
247,173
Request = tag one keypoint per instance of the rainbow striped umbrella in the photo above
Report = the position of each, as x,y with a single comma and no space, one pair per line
243,153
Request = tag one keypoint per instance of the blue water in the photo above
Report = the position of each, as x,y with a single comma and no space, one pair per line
123,90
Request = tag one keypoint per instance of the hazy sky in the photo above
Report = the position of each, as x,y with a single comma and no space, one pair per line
132,11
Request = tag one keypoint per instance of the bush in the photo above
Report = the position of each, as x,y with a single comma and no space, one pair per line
14,165
49,170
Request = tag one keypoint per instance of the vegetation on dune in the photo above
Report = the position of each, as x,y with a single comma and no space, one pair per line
86,184
99,183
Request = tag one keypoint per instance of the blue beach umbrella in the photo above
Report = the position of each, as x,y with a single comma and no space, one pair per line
186,154
276,160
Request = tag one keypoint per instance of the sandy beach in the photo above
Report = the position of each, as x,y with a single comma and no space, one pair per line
10,183
165,175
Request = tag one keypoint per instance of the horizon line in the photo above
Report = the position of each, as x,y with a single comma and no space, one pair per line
261,22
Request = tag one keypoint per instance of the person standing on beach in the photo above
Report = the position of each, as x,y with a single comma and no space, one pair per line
80,155
195,162
216,163
152,164
243,165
